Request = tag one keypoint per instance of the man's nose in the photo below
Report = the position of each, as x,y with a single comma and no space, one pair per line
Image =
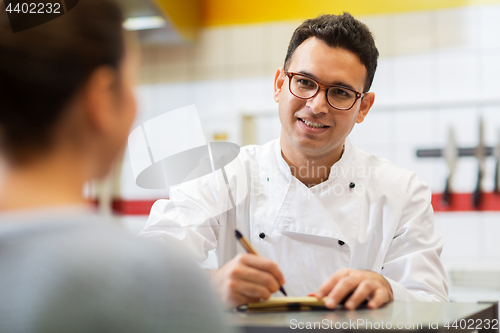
319,103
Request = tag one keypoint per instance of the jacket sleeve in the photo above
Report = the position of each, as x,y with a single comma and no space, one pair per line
193,214
412,265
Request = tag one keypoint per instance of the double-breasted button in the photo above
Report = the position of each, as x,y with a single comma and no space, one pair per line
262,235
341,242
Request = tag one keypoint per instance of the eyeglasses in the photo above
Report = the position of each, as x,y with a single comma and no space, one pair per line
305,87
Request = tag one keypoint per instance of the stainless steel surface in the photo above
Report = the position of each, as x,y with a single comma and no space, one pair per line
418,315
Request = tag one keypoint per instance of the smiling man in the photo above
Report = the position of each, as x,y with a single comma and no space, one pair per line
316,118
328,219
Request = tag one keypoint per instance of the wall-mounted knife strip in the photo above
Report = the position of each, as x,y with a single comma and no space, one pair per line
462,152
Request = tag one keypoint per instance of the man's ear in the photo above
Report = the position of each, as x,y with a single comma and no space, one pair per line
279,79
100,98
366,104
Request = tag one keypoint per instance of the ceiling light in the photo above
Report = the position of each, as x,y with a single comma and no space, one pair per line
144,23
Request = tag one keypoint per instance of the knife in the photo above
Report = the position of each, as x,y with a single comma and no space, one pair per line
496,153
481,158
450,154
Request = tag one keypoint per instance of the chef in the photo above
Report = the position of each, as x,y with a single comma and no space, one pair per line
327,219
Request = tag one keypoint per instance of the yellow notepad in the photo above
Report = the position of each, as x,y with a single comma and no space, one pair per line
286,304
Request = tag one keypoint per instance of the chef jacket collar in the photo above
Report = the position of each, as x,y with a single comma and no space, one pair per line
341,167
283,165
338,169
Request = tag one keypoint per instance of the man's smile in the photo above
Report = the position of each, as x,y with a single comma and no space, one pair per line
313,124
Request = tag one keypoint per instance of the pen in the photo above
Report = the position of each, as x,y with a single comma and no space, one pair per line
250,249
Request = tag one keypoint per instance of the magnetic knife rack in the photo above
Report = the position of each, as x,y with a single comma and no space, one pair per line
478,200
462,152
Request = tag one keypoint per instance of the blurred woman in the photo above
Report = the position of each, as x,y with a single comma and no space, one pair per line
66,108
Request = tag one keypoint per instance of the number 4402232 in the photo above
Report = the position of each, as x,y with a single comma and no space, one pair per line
35,8
472,324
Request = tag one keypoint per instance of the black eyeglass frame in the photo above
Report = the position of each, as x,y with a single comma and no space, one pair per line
290,75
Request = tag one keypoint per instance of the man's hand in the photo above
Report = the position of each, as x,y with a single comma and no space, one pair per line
364,285
247,278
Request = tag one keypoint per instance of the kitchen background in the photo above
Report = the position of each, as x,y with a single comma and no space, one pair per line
439,68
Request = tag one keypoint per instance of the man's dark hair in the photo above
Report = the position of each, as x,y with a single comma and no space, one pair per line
342,31
42,68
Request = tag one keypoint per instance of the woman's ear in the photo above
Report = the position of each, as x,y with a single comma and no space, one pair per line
366,104
279,79
100,98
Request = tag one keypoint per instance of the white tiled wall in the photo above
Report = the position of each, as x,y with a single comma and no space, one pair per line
438,69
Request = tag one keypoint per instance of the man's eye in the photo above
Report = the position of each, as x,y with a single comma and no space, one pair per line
305,82
341,92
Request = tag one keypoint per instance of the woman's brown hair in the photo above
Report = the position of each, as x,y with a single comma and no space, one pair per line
42,68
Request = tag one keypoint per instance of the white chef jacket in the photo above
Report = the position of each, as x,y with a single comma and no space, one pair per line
368,215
